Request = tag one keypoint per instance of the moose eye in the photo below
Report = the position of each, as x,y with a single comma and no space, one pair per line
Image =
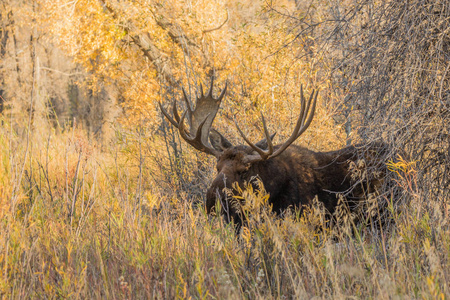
243,169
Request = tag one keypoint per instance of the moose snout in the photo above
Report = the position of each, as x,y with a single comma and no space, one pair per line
216,191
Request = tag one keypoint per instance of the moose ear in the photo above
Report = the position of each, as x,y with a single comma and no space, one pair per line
218,141
262,144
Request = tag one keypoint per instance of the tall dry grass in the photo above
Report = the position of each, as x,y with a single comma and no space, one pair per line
83,221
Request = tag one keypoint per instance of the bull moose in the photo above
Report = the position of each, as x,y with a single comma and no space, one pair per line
292,175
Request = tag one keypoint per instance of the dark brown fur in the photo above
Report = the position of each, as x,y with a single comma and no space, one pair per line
293,179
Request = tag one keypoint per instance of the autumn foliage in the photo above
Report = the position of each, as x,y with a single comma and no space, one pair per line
99,197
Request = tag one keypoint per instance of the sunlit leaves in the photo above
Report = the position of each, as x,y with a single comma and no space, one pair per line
242,43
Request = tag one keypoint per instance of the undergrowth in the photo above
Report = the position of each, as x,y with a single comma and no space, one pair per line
83,221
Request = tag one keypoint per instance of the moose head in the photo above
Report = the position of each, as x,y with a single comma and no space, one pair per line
292,175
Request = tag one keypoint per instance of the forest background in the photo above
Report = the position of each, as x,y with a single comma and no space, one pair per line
99,198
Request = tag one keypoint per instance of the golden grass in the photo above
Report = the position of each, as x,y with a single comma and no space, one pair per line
82,221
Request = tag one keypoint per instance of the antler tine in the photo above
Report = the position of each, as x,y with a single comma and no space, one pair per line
188,105
302,109
311,113
304,120
308,104
167,115
195,141
175,111
301,126
301,117
201,90
200,119
181,128
211,87
262,153
223,92
268,138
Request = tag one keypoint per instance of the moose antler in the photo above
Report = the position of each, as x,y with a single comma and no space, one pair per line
200,119
304,120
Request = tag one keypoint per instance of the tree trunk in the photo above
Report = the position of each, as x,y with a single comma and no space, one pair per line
4,35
